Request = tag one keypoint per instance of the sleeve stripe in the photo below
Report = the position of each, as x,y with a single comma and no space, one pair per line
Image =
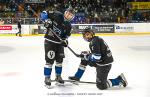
97,57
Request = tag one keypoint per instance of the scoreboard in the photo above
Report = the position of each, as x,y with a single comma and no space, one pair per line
34,1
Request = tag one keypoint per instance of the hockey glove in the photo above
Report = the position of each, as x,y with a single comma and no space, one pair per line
64,43
48,23
91,58
85,55
43,16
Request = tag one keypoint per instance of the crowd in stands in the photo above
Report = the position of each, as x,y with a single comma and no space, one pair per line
87,11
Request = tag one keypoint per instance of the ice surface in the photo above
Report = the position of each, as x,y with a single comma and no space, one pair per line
22,62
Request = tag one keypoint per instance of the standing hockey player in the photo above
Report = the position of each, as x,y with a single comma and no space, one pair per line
99,57
59,23
19,28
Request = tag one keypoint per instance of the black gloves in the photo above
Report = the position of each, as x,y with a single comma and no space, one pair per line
85,55
47,23
64,43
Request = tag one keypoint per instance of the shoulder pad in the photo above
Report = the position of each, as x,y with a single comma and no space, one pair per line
58,16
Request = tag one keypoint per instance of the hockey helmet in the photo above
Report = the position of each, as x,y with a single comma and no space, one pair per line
88,34
69,14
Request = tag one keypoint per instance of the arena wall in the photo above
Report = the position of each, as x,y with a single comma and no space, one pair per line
117,28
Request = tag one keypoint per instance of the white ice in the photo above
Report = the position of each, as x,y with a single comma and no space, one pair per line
22,62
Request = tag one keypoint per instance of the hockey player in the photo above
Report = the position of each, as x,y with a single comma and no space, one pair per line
99,57
19,27
59,23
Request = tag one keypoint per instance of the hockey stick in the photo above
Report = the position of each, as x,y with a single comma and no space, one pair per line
77,55
72,81
80,81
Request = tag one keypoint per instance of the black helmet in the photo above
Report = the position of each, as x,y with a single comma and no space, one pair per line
88,31
70,9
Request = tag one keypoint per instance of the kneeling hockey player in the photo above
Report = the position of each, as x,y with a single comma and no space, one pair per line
101,58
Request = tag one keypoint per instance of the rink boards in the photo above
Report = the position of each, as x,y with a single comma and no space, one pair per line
99,29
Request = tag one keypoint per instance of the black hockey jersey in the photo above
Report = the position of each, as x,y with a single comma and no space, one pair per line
99,47
61,27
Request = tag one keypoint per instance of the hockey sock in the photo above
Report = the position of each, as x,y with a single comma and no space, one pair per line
114,82
58,69
47,70
80,71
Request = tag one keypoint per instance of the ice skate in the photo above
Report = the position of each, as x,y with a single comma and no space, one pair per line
59,80
20,35
74,80
47,82
123,82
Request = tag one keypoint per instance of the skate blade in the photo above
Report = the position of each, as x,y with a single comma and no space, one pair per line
49,87
123,77
74,82
59,84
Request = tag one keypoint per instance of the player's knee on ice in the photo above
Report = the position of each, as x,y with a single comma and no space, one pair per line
101,85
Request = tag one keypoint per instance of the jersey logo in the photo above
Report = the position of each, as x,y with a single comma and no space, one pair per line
51,54
56,30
